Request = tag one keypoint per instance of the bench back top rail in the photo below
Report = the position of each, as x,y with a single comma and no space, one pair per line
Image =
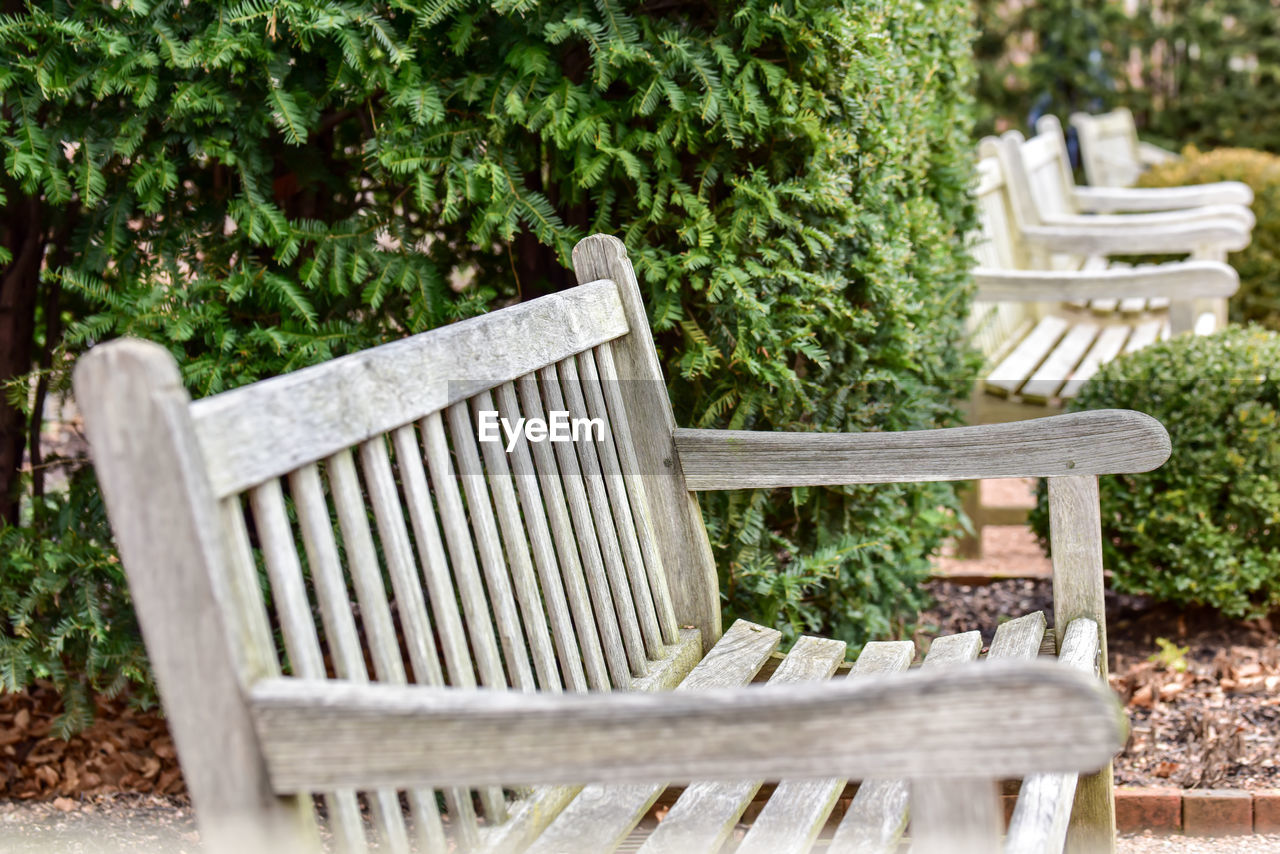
400,547
1109,148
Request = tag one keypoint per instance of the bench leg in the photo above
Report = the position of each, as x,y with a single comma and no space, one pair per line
969,546
1075,531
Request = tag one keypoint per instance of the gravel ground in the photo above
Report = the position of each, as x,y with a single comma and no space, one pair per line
1196,845
157,825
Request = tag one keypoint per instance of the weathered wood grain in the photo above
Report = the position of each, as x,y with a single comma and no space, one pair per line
1053,720
960,816
521,471
602,814
1041,815
1179,280
638,623
677,522
878,815
593,638
796,812
619,634
705,813
380,633
269,428
1075,533
203,648
1099,441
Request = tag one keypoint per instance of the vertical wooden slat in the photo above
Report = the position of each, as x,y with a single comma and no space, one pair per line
435,566
301,641
616,568
335,605
466,575
418,636
677,521
588,391
875,820
465,569
492,560
1075,535
375,614
535,519
620,645
444,605
518,559
593,639
639,499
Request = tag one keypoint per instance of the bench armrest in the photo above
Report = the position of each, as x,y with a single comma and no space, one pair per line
1105,441
322,734
1203,215
1153,155
1177,281
1104,200
1087,235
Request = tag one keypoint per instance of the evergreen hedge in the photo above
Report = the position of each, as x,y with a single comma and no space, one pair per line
261,186
1192,71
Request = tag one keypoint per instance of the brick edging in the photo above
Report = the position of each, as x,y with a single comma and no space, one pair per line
1197,812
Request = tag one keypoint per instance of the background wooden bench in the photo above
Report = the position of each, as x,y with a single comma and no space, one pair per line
1045,322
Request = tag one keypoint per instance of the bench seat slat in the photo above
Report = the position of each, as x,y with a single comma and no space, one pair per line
1104,349
265,430
1051,375
798,809
601,816
704,815
1146,332
1040,817
878,814
1008,376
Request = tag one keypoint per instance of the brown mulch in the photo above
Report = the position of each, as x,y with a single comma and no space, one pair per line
1204,708
125,750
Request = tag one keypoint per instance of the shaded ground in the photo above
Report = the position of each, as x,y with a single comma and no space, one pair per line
1204,713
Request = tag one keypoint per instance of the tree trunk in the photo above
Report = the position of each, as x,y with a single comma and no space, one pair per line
19,288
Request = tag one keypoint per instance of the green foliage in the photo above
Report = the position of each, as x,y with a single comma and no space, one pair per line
1258,299
261,186
1204,529
1170,656
64,597
1192,71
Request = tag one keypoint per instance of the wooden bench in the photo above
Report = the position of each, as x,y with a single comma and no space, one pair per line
1110,151
479,642
1044,333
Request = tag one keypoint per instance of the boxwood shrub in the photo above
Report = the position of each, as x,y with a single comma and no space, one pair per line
1204,529
1258,263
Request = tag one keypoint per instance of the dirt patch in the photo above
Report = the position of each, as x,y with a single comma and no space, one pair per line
125,750
1203,693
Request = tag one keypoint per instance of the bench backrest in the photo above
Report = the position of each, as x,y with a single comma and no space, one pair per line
1108,147
399,547
997,246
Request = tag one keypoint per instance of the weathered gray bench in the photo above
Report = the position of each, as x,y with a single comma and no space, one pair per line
478,642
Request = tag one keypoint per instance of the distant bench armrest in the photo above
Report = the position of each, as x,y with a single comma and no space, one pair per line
1176,281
